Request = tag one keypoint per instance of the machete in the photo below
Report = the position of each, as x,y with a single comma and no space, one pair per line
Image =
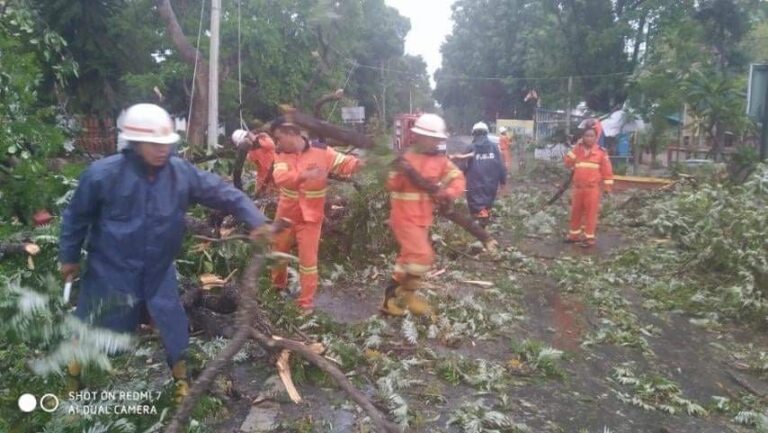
561,190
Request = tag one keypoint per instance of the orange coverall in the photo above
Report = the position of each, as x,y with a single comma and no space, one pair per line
591,167
412,210
304,204
263,157
504,146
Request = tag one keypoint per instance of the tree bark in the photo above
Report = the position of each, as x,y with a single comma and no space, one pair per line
196,124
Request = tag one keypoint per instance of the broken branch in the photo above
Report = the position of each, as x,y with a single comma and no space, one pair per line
307,353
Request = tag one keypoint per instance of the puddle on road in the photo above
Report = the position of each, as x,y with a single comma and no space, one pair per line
568,321
559,319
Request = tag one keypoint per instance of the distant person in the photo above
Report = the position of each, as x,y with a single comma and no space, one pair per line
128,211
594,123
261,154
592,174
505,147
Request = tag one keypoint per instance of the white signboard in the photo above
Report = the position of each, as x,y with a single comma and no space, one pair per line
353,114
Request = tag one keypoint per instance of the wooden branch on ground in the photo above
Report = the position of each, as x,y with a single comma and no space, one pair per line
284,372
199,227
19,248
378,419
478,283
744,382
249,312
253,323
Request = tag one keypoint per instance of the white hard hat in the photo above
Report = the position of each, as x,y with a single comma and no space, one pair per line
502,130
238,136
480,126
430,125
148,123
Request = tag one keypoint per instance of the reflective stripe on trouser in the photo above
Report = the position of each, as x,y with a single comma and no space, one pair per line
307,235
416,255
585,207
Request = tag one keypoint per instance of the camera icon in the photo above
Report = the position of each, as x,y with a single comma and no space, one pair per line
48,403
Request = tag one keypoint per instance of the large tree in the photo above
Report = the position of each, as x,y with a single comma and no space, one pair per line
695,57
271,52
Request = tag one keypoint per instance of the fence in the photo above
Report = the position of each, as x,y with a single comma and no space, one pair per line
97,136
554,152
547,122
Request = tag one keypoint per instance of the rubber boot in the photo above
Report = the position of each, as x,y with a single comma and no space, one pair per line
416,304
411,282
393,304
181,381
491,246
73,377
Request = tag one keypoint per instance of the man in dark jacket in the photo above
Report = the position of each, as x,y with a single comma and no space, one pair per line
131,208
485,173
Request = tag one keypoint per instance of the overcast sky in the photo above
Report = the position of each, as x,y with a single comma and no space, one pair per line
430,24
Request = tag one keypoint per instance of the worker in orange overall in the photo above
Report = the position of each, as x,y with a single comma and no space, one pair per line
592,173
261,154
505,144
301,173
411,214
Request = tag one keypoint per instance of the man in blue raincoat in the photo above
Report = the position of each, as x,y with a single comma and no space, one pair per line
129,212
485,173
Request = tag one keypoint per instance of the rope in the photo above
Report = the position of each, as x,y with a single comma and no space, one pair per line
240,62
349,76
194,70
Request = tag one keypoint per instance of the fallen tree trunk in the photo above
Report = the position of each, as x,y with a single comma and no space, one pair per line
326,129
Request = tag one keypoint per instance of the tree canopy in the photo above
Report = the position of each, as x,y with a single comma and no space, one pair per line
279,52
641,50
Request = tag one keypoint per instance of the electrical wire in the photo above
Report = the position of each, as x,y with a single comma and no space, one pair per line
240,62
194,69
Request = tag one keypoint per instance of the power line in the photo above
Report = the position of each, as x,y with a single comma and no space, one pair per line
499,78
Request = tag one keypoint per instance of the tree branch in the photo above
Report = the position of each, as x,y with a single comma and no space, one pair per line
186,50
358,397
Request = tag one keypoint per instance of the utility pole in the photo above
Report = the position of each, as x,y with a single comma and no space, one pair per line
383,96
568,110
410,100
213,78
